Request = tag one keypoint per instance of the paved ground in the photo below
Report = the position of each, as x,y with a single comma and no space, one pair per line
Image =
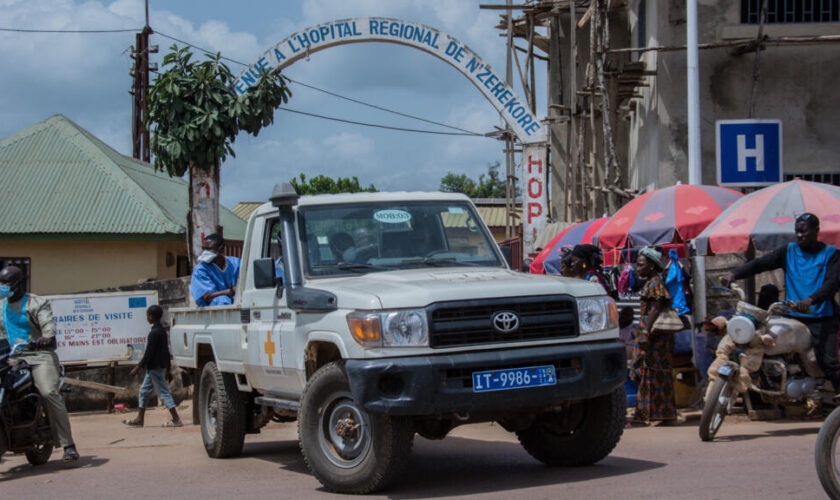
763,460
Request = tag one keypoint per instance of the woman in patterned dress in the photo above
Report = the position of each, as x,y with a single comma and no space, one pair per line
653,361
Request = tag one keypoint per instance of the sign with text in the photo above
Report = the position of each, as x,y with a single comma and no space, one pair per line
535,203
514,110
101,326
749,152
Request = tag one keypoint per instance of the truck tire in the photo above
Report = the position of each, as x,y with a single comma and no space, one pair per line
221,413
715,407
583,434
347,449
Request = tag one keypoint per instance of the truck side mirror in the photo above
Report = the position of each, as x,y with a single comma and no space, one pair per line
508,255
264,273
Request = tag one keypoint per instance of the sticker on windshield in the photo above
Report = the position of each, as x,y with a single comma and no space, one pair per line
456,210
392,216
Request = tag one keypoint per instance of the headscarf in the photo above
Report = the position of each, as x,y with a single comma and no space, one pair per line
654,256
588,253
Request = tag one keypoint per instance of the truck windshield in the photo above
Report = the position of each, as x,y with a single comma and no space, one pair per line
371,237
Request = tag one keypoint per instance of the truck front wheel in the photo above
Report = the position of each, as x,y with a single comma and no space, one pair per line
221,413
347,449
581,434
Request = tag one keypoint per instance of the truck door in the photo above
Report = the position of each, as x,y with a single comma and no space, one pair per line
270,331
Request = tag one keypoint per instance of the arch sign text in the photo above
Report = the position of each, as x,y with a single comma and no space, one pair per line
511,107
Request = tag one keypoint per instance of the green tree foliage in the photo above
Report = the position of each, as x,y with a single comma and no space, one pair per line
490,185
321,184
194,113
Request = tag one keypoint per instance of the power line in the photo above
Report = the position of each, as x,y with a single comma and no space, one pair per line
374,106
206,51
22,30
401,129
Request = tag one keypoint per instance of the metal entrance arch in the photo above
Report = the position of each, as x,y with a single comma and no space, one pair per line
514,110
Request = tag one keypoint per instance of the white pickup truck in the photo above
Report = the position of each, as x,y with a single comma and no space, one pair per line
398,315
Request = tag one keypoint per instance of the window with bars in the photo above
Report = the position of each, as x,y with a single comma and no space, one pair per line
824,177
791,11
22,263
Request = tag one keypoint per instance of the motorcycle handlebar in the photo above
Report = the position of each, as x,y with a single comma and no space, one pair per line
32,345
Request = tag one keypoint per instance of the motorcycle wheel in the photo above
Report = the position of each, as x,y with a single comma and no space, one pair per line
714,410
827,454
40,453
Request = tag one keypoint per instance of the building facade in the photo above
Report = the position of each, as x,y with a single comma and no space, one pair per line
79,216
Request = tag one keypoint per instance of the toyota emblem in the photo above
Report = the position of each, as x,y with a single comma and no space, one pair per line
505,322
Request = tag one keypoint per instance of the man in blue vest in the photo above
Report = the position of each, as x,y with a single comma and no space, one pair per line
812,277
28,318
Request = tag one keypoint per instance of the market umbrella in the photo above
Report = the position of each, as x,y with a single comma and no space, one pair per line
568,238
668,215
767,217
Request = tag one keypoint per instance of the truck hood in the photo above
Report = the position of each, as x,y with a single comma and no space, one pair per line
421,287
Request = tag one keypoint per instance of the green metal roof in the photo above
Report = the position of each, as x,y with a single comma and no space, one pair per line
57,178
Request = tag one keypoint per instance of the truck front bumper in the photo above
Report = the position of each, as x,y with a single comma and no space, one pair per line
427,385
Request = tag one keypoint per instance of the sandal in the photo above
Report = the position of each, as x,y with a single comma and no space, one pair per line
133,423
70,454
637,423
173,423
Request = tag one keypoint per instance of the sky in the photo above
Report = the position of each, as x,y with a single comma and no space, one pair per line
85,77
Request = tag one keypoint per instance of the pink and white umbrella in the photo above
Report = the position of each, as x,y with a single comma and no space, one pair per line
767,218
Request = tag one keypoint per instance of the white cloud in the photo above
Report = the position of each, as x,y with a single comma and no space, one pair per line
86,78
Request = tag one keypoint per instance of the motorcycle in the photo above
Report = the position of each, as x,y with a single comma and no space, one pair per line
770,356
24,422
826,454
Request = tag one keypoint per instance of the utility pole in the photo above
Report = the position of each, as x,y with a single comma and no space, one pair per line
140,90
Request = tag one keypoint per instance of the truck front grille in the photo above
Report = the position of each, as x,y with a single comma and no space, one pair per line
470,322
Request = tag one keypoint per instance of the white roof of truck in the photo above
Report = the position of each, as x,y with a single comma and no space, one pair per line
346,198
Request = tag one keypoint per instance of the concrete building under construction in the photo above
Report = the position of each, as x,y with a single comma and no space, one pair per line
617,89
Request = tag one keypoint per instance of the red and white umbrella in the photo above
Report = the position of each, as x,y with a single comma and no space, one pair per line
673,214
767,218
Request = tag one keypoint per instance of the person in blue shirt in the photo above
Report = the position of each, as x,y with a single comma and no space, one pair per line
215,276
812,277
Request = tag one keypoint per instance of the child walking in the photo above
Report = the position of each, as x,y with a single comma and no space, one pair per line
156,363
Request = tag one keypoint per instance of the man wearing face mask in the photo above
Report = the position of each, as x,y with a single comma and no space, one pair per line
25,318
214,277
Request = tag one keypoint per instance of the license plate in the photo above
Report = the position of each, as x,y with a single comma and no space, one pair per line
513,378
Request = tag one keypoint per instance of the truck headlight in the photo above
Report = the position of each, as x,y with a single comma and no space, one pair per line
399,328
596,314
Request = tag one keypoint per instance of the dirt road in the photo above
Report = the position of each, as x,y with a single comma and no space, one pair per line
762,460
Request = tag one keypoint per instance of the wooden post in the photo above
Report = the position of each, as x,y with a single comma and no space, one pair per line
558,152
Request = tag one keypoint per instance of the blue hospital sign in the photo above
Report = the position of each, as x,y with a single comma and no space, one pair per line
749,152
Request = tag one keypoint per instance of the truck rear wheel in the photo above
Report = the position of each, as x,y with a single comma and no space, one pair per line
221,413
347,449
581,434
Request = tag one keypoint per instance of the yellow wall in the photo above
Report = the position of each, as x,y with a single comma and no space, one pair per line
67,266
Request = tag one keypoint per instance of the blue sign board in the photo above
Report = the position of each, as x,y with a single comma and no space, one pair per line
749,152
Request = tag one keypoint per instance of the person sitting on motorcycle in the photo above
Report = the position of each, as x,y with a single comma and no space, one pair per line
812,277
27,317
749,362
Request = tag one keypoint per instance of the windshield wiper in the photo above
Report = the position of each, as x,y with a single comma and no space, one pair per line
350,266
439,262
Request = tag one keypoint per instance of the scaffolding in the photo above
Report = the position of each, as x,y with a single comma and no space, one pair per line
590,92
585,165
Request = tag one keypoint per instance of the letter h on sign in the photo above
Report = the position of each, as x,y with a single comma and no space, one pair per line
749,152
